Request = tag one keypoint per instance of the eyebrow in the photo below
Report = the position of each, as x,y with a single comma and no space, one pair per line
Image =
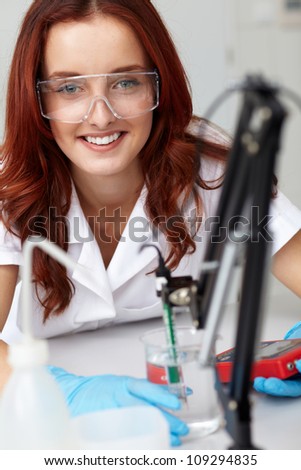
70,73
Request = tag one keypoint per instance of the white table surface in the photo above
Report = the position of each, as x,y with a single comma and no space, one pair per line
276,422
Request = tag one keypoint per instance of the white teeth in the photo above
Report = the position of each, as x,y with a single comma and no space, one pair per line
108,139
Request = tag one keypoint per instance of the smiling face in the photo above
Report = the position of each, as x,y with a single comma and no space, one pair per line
102,145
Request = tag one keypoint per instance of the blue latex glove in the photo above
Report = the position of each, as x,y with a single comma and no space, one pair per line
294,332
282,388
99,392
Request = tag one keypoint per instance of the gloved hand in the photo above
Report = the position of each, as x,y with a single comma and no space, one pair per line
294,332
99,392
282,388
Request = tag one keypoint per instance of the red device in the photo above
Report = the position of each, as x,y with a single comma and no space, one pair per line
273,359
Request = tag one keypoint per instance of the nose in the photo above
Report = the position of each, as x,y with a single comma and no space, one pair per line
100,113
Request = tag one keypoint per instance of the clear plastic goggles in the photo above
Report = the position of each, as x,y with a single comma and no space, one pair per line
71,99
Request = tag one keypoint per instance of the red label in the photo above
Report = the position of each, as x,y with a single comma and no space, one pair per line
156,374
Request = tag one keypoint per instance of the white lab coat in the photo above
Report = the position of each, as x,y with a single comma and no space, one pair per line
124,291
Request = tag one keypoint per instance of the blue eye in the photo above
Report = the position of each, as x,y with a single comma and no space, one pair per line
127,84
68,88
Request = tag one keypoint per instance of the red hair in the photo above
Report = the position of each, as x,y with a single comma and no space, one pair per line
35,171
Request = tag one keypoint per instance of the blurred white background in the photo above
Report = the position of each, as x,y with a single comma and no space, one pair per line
218,40
221,40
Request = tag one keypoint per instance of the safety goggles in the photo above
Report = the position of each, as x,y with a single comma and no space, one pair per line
72,99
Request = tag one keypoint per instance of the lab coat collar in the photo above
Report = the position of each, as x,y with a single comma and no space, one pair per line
127,259
90,271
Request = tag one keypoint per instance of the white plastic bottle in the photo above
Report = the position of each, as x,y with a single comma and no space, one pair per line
33,412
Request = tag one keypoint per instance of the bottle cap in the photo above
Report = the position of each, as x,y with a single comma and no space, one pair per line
29,353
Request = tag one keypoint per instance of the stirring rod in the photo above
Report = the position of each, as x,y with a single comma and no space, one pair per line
174,373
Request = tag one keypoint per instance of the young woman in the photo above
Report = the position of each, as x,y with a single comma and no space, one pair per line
99,156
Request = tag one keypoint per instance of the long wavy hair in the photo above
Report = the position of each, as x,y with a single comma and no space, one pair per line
35,172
